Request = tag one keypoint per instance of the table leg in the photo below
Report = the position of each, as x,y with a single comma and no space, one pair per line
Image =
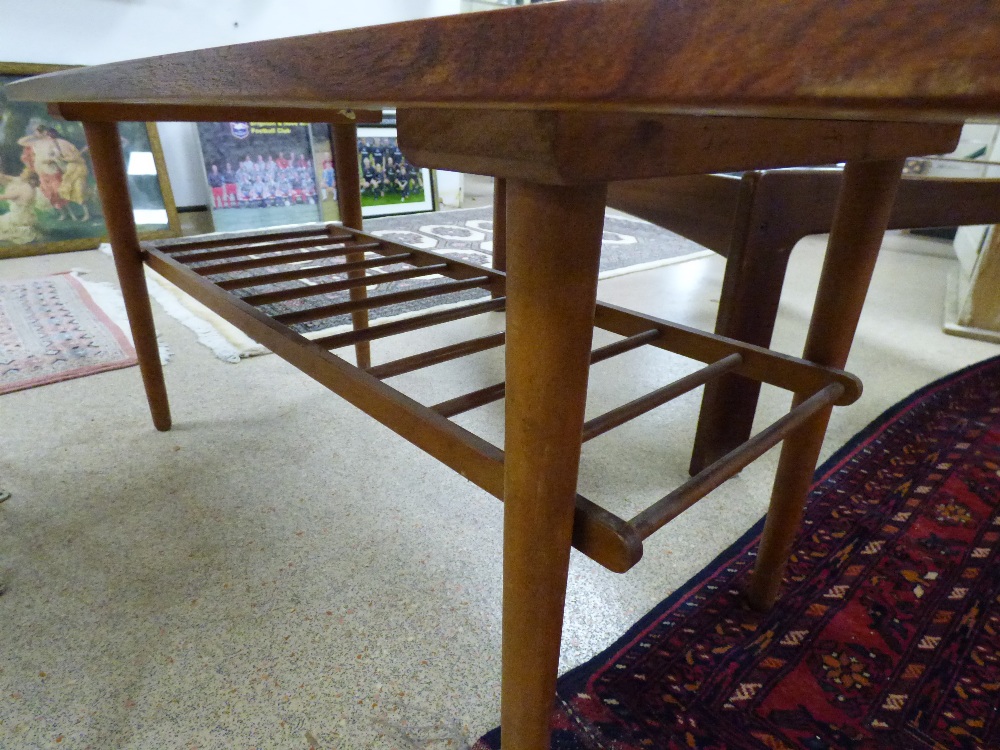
109,169
751,290
345,157
499,227
860,222
554,245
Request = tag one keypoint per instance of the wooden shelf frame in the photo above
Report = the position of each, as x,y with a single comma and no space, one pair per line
262,258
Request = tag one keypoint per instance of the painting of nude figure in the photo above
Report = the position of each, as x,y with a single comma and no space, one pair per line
48,195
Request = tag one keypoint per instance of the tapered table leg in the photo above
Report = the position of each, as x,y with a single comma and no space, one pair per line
553,246
499,228
729,403
112,183
748,307
345,156
861,218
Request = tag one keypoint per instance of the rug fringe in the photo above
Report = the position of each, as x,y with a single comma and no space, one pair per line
226,341
110,300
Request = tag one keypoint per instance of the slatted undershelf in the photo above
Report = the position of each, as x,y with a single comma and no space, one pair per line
227,272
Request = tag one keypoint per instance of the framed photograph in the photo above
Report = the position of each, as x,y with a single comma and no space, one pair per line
259,174
325,169
48,194
389,184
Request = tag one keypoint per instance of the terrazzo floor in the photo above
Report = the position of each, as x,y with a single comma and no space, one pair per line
279,571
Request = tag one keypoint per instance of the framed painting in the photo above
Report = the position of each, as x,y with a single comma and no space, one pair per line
259,174
48,195
390,184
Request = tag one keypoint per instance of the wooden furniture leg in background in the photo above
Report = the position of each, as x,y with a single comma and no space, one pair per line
756,262
109,169
345,159
755,222
698,207
860,221
554,246
500,225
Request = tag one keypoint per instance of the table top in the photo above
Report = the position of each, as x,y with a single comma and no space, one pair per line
910,60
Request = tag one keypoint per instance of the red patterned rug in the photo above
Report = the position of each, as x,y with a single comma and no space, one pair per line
887,634
51,330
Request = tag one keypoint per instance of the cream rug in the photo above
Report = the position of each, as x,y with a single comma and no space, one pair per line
226,342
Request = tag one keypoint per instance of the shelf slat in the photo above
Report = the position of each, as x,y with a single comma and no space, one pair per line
672,505
631,410
244,282
382,300
474,399
285,258
415,323
437,356
261,248
313,290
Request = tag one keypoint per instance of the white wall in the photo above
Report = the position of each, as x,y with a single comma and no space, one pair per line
969,241
88,32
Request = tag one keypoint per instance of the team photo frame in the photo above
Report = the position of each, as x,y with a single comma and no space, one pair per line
48,194
259,174
389,183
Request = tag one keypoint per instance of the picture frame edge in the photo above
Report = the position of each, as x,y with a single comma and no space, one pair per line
173,229
431,179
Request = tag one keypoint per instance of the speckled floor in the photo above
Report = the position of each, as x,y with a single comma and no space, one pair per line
279,571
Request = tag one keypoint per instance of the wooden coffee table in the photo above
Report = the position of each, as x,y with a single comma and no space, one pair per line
558,100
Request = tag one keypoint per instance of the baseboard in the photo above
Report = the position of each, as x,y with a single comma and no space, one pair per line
901,241
951,308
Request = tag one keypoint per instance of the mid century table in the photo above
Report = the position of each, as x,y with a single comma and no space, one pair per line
558,100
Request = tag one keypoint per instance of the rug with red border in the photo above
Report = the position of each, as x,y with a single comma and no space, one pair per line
51,329
887,633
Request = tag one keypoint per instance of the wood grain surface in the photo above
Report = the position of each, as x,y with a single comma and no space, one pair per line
566,148
903,59
86,111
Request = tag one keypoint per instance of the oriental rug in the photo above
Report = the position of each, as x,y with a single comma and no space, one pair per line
629,245
467,234
51,329
887,634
